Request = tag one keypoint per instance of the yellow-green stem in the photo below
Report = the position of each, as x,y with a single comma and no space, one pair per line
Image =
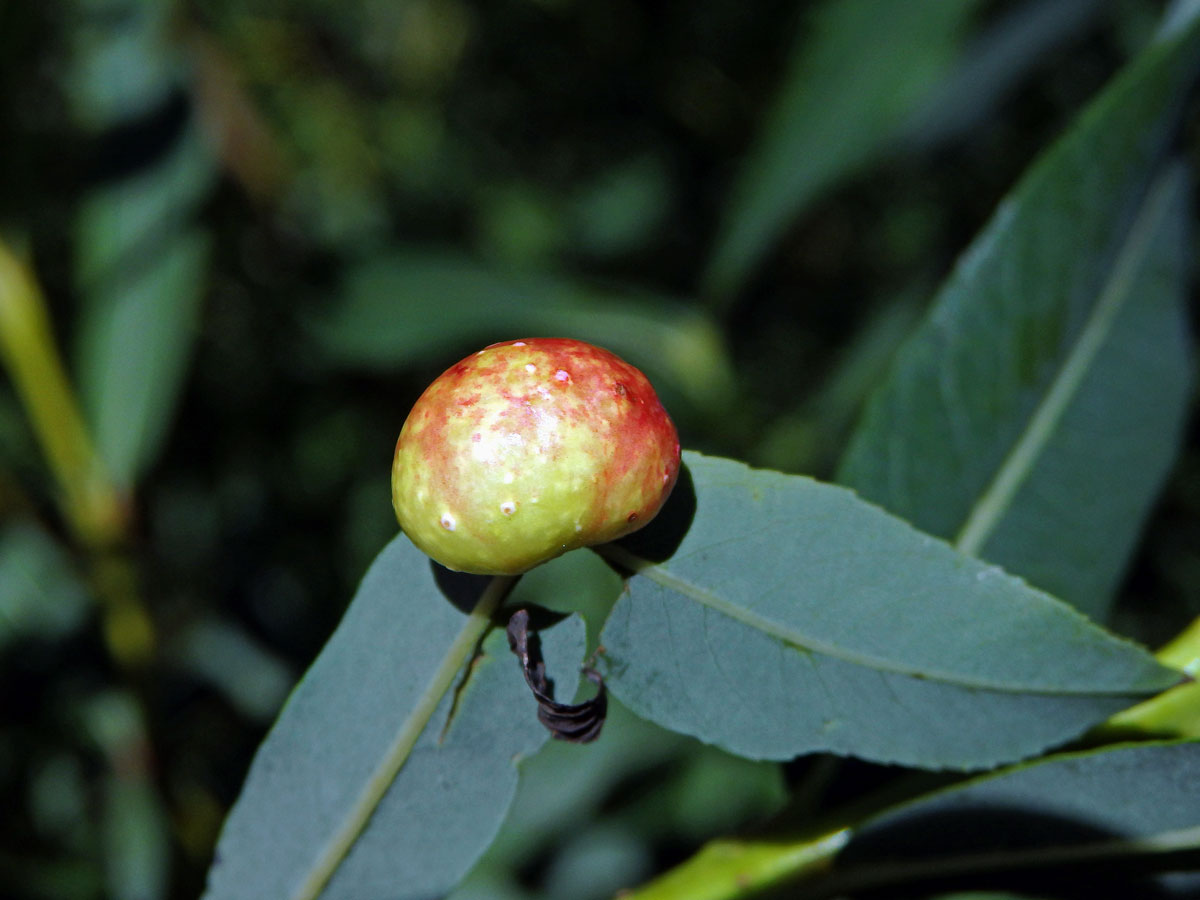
93,507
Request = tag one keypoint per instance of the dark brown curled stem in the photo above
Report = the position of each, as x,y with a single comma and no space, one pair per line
577,723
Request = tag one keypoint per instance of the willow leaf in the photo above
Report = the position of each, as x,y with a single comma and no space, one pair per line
334,805
795,617
859,70
1034,414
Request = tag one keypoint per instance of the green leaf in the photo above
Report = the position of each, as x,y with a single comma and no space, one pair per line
1124,803
863,68
134,825
123,223
794,617
221,653
410,308
41,595
135,345
1015,42
329,759
1033,416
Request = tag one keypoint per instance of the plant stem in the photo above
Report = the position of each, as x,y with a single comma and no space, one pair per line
457,655
91,504
93,507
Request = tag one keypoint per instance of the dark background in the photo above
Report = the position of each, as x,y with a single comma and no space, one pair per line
547,148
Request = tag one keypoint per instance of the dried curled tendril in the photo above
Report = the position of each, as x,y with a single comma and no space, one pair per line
578,723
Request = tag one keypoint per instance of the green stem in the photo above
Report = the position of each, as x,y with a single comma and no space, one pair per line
457,655
91,504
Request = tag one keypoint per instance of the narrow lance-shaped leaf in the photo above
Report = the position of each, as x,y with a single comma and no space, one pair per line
859,71
139,258
136,344
1033,416
795,617
405,308
141,277
328,761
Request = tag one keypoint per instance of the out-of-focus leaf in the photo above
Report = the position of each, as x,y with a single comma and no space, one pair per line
40,592
859,70
794,617
123,224
994,63
342,722
122,61
595,863
410,308
135,345
1033,416
62,879
58,800
565,785
222,653
133,822
717,792
519,225
570,790
139,263
624,207
137,849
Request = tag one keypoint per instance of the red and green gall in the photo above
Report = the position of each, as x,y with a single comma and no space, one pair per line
528,449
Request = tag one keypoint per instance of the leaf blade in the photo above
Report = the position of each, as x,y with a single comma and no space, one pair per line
857,635
1035,412
341,722
406,308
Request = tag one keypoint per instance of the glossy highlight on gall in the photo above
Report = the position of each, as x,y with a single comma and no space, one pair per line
528,449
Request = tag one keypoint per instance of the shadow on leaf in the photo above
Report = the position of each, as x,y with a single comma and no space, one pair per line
460,588
995,848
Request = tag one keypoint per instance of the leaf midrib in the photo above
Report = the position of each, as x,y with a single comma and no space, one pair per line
991,506
339,844
661,576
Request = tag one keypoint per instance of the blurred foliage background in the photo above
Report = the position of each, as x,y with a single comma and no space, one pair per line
240,237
